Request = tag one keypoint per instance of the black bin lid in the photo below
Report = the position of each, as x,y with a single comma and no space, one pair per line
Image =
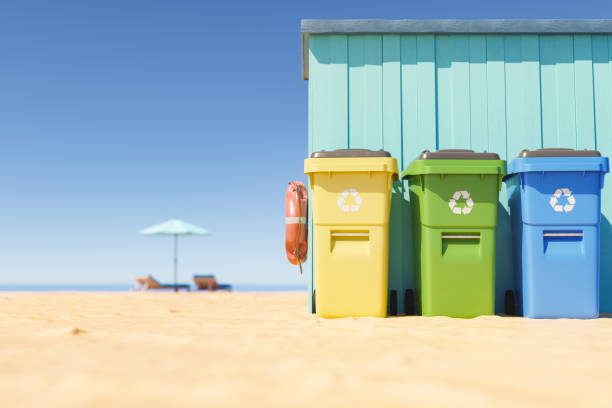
558,152
457,154
349,153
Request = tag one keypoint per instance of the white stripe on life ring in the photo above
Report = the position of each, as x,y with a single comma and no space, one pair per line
295,220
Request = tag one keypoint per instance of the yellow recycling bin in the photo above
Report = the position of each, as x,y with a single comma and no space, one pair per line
351,200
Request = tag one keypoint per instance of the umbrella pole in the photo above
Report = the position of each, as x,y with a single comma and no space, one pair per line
175,262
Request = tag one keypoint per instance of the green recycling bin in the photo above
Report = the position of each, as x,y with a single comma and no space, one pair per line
454,198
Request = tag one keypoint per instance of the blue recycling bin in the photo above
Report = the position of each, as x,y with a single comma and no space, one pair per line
555,198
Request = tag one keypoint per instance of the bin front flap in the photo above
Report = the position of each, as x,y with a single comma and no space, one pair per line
352,187
455,200
558,186
556,197
350,198
456,187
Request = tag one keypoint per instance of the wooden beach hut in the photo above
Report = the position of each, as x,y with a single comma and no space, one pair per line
495,85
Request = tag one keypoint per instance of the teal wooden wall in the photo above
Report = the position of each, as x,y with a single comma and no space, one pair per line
500,93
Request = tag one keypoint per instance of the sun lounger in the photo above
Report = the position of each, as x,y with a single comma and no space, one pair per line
208,282
150,282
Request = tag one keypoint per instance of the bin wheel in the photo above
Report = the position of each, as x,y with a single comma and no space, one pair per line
314,304
393,303
509,303
409,306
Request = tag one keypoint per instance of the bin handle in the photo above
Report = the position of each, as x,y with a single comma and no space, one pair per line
563,234
350,234
460,236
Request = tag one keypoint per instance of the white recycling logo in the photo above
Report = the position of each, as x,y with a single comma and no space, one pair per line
469,203
567,193
345,205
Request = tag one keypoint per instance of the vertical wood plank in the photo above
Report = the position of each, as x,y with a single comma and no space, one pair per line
418,126
605,142
392,97
522,93
328,109
410,99
523,123
605,146
453,91
392,142
309,266
558,99
566,91
602,82
418,95
549,91
310,107
496,131
329,90
444,66
426,91
460,91
583,81
479,140
496,95
602,79
365,91
531,103
514,95
418,60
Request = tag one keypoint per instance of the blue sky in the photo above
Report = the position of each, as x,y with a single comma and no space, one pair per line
117,115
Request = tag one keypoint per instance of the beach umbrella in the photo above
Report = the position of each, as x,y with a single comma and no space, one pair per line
175,228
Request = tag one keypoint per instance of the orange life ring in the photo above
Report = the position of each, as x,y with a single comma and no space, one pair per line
296,217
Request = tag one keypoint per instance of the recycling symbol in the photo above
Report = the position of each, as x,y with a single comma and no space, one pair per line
469,203
349,200
567,193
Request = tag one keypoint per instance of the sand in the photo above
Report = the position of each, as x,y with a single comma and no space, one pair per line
263,349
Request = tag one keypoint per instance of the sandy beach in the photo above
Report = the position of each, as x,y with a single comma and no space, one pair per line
263,349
